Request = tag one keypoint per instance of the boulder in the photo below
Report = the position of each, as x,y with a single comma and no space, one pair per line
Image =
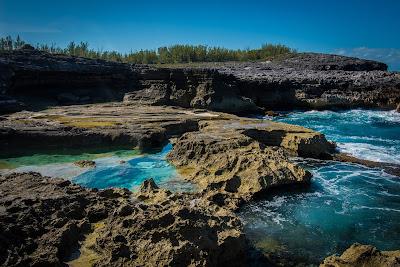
85,163
363,255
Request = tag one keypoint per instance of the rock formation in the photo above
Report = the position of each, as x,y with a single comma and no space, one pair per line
85,163
363,255
235,159
308,80
45,219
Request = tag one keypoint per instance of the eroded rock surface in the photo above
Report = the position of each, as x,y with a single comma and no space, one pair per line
364,255
44,219
95,126
235,159
307,80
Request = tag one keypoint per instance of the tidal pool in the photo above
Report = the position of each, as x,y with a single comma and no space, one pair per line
121,168
345,203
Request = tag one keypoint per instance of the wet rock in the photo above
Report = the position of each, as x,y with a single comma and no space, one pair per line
398,108
271,113
363,255
85,163
391,168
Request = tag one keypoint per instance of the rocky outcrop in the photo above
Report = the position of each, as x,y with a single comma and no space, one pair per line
327,62
364,255
44,220
190,88
275,86
308,80
40,79
98,126
181,230
231,162
85,163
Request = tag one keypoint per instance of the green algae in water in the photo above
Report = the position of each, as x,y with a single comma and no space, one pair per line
45,159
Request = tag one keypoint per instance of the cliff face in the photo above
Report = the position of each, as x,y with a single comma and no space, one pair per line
190,88
310,81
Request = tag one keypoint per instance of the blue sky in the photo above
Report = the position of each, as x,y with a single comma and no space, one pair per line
362,28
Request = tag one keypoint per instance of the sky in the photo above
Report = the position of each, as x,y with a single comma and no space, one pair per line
367,29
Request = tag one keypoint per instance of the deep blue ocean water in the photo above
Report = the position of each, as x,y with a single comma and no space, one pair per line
346,203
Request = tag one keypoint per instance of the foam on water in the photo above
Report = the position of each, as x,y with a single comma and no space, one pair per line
367,134
345,203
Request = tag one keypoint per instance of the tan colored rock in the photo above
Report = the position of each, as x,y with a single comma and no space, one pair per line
363,255
398,107
45,219
178,230
235,159
85,163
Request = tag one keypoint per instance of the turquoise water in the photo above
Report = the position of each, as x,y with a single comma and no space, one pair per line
121,168
346,203
133,172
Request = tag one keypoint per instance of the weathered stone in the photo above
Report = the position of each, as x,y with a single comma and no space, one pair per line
364,255
148,185
43,219
228,159
85,163
308,80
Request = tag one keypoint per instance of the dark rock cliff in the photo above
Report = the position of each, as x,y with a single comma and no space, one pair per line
34,79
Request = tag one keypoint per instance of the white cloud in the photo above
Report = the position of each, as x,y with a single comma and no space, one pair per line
390,56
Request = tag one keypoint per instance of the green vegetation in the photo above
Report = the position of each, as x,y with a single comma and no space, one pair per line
163,55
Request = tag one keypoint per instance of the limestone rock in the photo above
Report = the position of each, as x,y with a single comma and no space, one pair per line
44,219
85,163
363,255
148,185
234,160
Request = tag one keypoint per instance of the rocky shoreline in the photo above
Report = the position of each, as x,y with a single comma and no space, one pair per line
46,221
34,79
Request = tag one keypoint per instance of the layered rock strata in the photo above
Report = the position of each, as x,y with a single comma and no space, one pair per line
35,80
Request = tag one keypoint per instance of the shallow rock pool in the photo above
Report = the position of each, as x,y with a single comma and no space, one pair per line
120,168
